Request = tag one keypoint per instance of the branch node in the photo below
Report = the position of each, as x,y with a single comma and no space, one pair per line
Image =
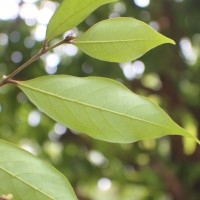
69,38
45,46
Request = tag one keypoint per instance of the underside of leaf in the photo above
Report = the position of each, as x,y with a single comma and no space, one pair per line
101,108
28,178
120,40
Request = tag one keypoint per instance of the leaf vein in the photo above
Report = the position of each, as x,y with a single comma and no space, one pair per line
91,106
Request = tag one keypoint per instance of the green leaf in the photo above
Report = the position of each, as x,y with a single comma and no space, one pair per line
70,14
101,108
120,40
28,178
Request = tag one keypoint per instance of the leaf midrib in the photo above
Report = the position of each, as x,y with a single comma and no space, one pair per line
23,181
114,41
92,106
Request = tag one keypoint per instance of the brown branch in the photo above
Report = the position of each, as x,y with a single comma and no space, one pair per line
6,79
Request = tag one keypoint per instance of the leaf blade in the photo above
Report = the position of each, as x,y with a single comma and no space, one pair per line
100,108
26,177
70,14
120,40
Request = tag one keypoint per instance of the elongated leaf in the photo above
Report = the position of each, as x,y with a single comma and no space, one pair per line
120,40
70,14
28,178
99,107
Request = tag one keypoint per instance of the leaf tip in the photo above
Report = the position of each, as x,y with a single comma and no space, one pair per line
169,41
197,141
191,136
172,42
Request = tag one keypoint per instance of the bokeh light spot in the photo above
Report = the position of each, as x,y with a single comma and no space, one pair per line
44,15
104,184
30,1
142,3
29,42
15,36
16,57
28,11
34,118
51,69
3,39
120,8
87,68
9,9
40,32
188,51
155,25
97,158
52,60
59,129
133,70
71,50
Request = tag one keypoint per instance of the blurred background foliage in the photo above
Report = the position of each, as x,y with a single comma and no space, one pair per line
164,169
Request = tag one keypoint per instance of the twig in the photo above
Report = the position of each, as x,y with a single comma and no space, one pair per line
6,79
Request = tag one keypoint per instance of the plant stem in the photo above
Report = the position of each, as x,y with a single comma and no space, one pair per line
45,49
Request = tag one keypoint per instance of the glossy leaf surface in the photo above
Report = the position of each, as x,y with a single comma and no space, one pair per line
120,40
70,14
26,177
101,108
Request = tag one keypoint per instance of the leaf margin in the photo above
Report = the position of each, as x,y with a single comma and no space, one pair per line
182,131
79,41
22,158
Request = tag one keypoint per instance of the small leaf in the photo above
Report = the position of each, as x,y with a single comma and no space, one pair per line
70,14
101,108
120,40
27,178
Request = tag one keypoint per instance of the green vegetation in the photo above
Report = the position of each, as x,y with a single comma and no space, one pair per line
101,108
